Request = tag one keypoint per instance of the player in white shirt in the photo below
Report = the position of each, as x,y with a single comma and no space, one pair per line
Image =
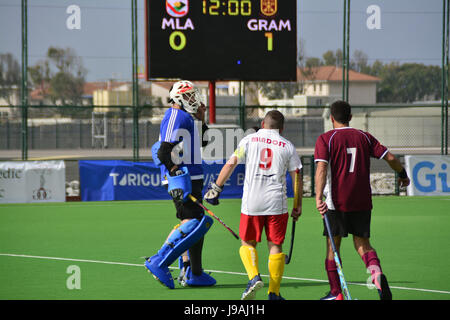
267,156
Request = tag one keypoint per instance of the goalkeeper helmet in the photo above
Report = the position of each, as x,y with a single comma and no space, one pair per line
184,94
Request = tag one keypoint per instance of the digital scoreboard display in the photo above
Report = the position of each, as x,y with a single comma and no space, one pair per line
249,40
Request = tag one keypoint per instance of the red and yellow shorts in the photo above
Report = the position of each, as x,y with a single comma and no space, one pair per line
251,227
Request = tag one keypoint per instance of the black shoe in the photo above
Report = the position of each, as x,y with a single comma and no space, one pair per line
274,296
385,292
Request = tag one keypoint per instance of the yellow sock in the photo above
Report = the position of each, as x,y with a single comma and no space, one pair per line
249,257
276,269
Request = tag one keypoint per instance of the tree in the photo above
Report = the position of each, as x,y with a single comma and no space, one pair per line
339,58
329,58
40,77
400,83
408,82
359,61
9,77
61,76
278,90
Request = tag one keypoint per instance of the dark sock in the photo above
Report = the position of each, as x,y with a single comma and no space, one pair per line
195,255
333,277
373,264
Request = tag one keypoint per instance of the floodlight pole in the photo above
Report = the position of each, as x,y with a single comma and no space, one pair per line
345,50
24,91
134,58
212,101
348,52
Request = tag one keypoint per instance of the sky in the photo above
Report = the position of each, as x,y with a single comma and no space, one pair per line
409,31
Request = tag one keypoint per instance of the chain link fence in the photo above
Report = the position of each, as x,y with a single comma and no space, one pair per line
82,54
86,132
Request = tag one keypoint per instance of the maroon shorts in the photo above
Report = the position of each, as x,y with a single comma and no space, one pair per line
251,227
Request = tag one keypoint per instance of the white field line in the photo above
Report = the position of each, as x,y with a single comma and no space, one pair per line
214,271
72,205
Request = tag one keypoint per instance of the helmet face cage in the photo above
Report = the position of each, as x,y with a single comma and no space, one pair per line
185,95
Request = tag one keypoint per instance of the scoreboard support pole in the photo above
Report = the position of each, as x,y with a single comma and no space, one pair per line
212,102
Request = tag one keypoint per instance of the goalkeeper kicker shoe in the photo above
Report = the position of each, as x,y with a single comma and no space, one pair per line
202,280
253,285
162,274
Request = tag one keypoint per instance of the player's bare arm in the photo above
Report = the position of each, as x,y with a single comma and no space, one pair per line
395,165
227,171
297,212
214,190
320,180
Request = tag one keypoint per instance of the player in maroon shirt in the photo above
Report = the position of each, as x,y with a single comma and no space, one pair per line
342,157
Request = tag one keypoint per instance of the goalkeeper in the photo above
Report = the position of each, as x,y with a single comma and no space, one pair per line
178,153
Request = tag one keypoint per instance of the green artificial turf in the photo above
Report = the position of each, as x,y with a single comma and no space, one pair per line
107,241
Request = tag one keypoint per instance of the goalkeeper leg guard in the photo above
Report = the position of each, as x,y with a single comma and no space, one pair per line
183,237
162,274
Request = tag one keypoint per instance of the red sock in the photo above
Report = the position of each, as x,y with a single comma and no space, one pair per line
373,265
333,277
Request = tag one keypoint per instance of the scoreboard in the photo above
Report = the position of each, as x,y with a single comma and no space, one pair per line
248,40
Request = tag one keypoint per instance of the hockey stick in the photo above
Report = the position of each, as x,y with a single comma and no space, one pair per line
213,215
337,260
296,198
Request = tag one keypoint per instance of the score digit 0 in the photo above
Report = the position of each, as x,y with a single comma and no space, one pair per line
269,37
181,36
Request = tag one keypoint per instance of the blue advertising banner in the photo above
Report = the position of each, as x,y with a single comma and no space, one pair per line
125,180
429,175
120,180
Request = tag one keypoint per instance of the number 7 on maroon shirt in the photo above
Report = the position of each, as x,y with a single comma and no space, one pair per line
347,152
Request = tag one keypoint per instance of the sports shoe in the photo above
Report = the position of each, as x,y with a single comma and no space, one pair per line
183,268
385,292
182,278
274,296
253,285
330,296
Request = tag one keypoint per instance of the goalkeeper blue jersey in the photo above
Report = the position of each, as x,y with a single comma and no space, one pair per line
180,127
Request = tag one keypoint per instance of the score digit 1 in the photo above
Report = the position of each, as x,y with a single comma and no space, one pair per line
269,37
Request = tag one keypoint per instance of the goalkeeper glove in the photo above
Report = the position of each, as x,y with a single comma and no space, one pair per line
180,185
213,193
